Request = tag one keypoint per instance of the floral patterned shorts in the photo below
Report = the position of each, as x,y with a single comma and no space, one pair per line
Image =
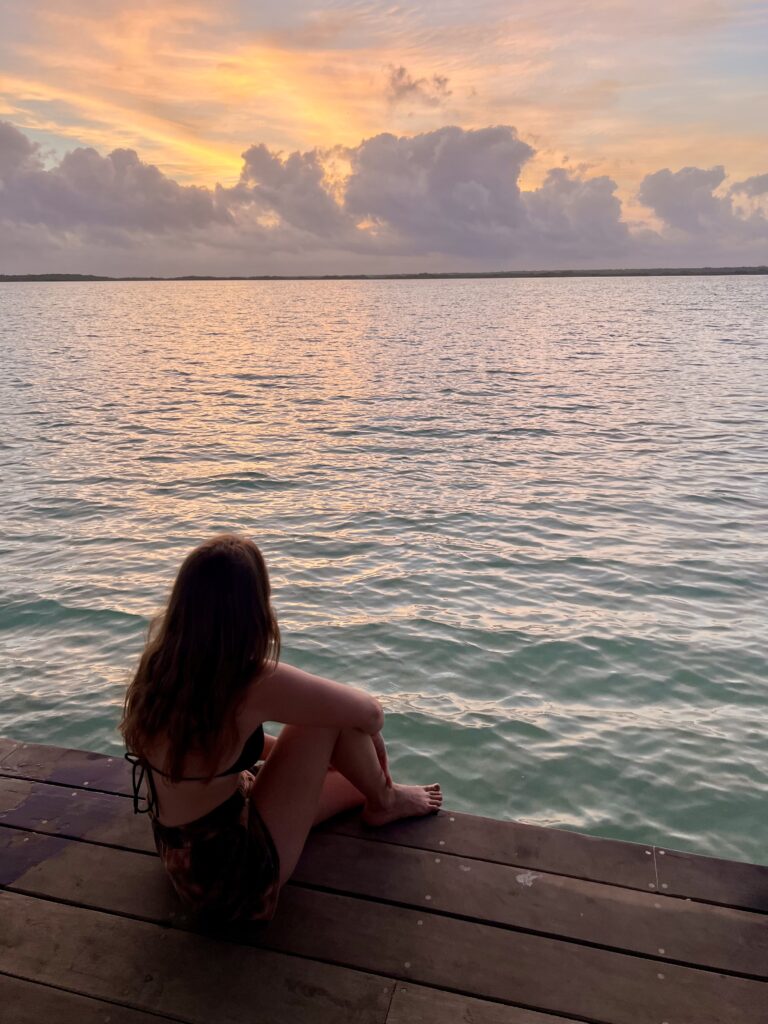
224,866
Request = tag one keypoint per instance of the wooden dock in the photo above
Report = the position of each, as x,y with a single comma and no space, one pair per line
453,918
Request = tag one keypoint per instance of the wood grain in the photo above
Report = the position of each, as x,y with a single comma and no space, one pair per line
175,973
26,1002
624,919
475,959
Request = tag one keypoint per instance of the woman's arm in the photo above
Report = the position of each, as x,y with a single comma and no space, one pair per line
291,696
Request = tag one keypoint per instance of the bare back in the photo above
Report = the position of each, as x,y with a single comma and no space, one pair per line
182,802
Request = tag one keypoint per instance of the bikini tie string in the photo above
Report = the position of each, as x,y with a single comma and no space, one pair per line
136,783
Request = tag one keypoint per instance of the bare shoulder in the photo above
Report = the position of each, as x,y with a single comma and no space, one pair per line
290,695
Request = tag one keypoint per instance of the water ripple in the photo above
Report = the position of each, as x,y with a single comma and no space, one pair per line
529,515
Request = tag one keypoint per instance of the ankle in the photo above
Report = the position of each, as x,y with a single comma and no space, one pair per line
382,801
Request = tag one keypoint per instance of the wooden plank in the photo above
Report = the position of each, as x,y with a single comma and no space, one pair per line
553,850
729,882
512,967
511,842
99,877
687,932
414,1004
7,746
194,977
412,945
65,766
25,1002
77,813
725,939
541,849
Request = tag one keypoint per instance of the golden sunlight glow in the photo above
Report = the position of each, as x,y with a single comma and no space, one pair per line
179,152
192,109
191,86
268,219
366,224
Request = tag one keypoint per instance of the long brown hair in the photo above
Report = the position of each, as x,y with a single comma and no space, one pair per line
216,634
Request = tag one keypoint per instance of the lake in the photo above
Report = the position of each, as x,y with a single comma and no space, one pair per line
531,516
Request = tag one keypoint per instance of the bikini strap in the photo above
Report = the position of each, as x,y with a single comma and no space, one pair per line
137,762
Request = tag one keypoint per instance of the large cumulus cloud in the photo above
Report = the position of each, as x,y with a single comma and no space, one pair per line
699,214
442,200
293,190
86,190
685,200
573,215
447,191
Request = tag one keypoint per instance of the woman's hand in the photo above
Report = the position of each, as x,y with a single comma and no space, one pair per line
381,753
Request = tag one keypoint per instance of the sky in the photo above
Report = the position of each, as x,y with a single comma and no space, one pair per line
359,137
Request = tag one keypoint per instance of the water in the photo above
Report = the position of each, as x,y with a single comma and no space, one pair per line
529,515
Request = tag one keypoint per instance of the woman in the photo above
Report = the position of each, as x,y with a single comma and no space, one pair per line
230,832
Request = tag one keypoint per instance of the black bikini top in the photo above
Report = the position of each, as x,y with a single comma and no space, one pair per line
249,755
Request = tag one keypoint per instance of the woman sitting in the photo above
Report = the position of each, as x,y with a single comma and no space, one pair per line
229,831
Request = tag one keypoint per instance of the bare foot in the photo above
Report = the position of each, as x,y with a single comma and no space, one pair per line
404,802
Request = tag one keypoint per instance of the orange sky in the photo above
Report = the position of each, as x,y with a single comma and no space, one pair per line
620,87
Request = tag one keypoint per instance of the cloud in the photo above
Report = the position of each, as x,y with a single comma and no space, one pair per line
448,199
684,199
86,190
693,212
575,215
754,186
402,86
189,84
292,189
449,190
17,152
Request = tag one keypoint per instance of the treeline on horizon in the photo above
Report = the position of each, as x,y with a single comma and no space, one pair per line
644,272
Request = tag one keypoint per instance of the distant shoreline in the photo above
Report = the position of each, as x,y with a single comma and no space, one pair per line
645,272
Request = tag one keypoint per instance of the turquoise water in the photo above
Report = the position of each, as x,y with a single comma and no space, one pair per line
531,516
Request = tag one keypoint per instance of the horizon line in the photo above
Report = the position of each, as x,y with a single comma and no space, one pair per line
597,272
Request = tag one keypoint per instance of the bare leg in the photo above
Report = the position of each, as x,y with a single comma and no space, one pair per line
355,757
287,792
361,773
338,793
270,741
